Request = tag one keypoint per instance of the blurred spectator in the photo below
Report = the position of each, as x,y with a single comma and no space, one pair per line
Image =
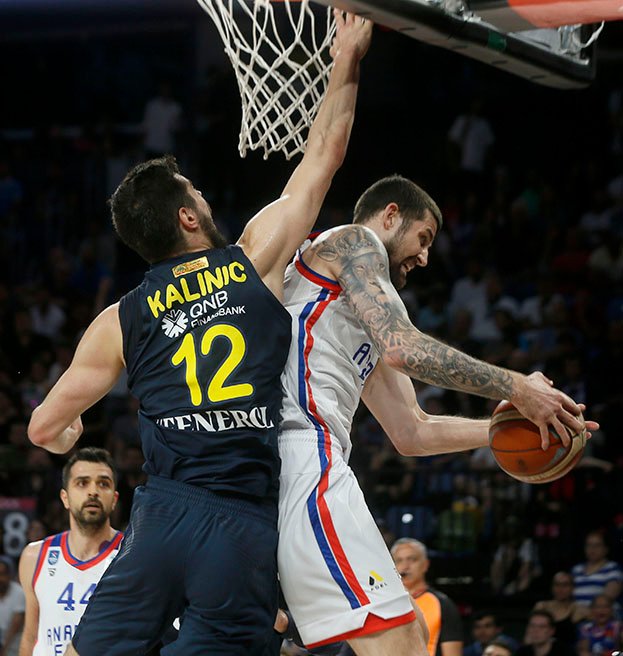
91,281
472,133
515,562
486,629
605,262
124,432
12,607
539,637
567,613
596,575
63,354
47,317
602,634
37,530
499,647
469,292
433,316
534,308
161,122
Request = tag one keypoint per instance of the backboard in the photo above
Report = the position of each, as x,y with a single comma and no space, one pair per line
550,42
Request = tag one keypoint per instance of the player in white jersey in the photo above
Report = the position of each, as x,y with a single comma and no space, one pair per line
60,573
352,338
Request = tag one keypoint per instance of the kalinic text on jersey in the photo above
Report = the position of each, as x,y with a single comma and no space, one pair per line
205,342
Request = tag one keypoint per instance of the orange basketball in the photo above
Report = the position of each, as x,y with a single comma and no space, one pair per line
516,445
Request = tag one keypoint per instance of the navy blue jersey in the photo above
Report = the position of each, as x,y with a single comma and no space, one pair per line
205,342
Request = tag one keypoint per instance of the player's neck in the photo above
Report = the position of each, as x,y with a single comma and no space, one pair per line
86,543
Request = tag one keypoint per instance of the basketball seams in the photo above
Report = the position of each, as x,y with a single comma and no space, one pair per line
561,468
515,444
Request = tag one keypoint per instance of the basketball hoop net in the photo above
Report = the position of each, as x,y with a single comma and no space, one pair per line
280,54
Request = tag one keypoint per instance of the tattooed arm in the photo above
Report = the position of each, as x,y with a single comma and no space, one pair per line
356,257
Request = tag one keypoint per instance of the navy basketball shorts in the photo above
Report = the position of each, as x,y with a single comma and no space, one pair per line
187,552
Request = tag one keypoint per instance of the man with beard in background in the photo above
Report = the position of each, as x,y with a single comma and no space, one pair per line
60,573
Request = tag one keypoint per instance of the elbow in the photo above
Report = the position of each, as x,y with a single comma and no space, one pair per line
38,433
408,443
395,359
411,439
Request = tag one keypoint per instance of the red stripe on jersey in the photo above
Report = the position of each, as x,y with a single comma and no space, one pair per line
87,564
316,278
323,510
42,552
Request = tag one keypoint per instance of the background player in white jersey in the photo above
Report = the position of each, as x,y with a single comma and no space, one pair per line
59,573
352,338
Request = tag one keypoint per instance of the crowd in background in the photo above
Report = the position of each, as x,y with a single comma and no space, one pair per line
527,273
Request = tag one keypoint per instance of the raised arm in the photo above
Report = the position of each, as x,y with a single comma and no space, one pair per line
55,425
27,563
358,260
271,238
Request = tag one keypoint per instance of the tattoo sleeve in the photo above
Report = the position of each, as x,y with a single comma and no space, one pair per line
364,274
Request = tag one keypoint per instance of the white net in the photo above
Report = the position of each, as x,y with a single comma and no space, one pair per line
280,54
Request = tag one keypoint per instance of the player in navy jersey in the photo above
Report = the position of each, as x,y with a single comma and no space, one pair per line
204,340
60,573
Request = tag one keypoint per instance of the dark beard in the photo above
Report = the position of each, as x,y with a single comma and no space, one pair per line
212,232
90,522
399,280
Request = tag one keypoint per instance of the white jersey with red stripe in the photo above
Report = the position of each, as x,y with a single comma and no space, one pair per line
63,586
336,573
330,356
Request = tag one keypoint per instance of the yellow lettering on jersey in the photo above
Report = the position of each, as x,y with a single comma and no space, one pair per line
188,295
188,290
237,277
173,296
211,280
155,304
202,285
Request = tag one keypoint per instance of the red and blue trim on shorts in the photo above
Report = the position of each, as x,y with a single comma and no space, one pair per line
317,508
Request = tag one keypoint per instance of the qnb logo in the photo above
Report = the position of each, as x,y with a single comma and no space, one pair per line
174,323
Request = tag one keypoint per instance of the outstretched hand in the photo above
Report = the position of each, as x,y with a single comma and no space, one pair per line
544,405
353,34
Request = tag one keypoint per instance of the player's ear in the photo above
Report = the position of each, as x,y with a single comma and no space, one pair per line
188,219
391,213
64,498
115,499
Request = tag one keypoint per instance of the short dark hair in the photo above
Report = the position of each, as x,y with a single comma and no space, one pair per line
411,199
481,614
543,613
145,207
89,454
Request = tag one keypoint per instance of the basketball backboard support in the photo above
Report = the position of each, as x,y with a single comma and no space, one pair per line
489,31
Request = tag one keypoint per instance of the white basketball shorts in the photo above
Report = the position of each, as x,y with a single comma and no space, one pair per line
336,572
